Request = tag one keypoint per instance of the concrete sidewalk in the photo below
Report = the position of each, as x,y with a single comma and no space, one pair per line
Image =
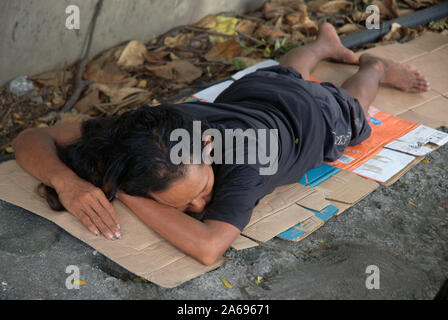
401,229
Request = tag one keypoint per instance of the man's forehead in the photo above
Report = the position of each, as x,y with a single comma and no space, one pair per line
185,189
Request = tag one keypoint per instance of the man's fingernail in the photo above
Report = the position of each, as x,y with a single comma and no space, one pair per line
117,234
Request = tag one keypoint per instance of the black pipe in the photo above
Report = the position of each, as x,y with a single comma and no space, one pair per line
418,18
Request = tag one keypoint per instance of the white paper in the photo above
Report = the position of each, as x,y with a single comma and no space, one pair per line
414,149
263,64
423,134
413,142
211,93
384,165
345,159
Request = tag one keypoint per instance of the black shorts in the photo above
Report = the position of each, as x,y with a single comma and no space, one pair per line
343,114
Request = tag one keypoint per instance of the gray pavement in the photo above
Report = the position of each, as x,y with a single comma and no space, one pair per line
401,229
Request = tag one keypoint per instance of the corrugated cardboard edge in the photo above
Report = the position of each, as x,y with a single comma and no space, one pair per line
243,242
279,199
278,211
347,187
274,224
309,226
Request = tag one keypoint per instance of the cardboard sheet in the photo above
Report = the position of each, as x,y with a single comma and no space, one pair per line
305,228
345,189
432,113
140,250
282,209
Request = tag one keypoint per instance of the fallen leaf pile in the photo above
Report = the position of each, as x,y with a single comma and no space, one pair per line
185,59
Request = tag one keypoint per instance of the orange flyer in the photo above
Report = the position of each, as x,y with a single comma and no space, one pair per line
385,129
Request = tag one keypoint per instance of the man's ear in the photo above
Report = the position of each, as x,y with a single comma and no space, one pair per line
208,147
207,140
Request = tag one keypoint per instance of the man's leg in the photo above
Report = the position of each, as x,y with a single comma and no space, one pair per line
327,46
373,70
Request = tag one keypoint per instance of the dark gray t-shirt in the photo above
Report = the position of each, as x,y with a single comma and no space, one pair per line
271,98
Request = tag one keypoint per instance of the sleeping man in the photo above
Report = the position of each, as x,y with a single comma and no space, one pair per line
143,157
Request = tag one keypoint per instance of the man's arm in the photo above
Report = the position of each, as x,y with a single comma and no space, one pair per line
204,241
36,153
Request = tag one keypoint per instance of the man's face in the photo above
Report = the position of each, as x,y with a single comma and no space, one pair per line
192,192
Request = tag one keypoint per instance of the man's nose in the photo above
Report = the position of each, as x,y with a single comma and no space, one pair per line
197,205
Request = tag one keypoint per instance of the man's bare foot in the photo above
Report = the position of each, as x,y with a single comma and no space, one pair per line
396,74
334,49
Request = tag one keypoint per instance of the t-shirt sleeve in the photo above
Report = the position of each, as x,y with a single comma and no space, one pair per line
238,188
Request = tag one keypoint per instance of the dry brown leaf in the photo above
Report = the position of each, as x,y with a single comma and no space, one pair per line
104,69
398,32
181,40
417,4
391,6
185,55
297,35
358,16
394,33
278,8
156,57
296,17
348,28
248,61
116,92
223,51
332,7
142,84
85,104
385,12
132,55
315,4
268,32
54,78
57,99
173,56
209,22
278,23
246,27
180,71
68,117
306,26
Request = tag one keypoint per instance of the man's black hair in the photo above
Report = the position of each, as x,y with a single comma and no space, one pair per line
130,152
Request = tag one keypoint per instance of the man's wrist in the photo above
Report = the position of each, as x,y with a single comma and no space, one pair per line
61,178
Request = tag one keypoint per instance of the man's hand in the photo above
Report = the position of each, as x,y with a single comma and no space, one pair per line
90,205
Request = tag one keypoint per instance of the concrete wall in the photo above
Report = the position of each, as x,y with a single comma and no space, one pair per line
34,39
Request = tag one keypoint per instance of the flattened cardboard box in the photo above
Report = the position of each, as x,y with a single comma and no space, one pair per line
281,210
141,250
